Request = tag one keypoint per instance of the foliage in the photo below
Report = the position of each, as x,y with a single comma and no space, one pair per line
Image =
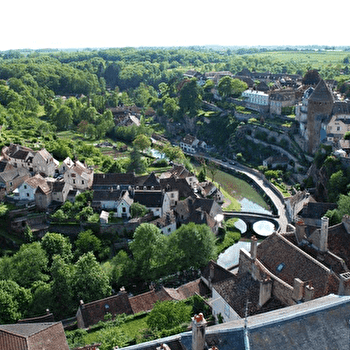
90,282
87,242
169,314
192,246
138,210
57,244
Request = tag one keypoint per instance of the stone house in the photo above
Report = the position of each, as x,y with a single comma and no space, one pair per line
276,161
26,191
180,172
11,179
176,188
44,163
317,324
33,336
166,223
256,100
66,164
156,201
79,176
35,161
191,144
200,211
282,98
59,190
118,201
209,190
339,123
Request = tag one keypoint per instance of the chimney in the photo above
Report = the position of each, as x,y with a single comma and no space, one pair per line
324,234
346,223
253,247
300,230
198,332
344,285
309,292
47,311
265,290
298,289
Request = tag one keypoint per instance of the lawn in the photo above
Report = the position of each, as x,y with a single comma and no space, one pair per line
131,329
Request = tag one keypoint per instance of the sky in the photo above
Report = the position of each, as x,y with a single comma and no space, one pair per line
40,24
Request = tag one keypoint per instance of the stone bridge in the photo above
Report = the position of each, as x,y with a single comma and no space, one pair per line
251,218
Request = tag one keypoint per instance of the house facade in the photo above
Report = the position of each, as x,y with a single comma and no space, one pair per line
79,176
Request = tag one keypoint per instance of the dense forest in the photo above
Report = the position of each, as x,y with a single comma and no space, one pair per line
60,100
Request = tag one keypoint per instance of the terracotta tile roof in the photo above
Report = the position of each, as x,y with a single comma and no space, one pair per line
96,310
144,302
218,273
33,336
287,261
240,289
316,209
189,289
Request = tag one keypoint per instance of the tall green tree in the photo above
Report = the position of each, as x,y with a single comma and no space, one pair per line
90,282
190,98
192,246
57,244
148,248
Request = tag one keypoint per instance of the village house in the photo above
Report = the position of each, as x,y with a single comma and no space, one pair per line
35,161
191,144
11,179
276,161
91,313
256,100
209,190
156,201
118,201
180,172
280,99
33,336
313,325
166,223
79,176
200,211
177,189
339,123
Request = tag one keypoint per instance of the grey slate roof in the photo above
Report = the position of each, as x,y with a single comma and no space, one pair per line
318,324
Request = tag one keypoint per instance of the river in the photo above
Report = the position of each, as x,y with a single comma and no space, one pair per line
230,256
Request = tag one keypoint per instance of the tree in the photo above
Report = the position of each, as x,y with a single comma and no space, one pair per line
63,118
57,244
14,301
62,287
90,282
138,210
87,242
190,97
123,269
30,264
148,248
136,163
193,246
225,86
142,142
171,107
168,314
173,153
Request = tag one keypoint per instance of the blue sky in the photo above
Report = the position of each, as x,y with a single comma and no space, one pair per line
39,24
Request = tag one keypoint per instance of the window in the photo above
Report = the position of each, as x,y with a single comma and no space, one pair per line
73,181
25,187
82,182
280,267
27,194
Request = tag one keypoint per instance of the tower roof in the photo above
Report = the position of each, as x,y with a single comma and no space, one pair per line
321,93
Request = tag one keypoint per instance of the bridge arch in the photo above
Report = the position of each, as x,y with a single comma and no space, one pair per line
251,218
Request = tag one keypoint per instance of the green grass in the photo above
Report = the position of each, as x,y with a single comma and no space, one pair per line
131,329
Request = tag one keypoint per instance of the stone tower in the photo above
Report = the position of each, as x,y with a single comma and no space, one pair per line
319,109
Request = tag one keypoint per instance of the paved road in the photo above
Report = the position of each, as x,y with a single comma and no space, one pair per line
265,186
